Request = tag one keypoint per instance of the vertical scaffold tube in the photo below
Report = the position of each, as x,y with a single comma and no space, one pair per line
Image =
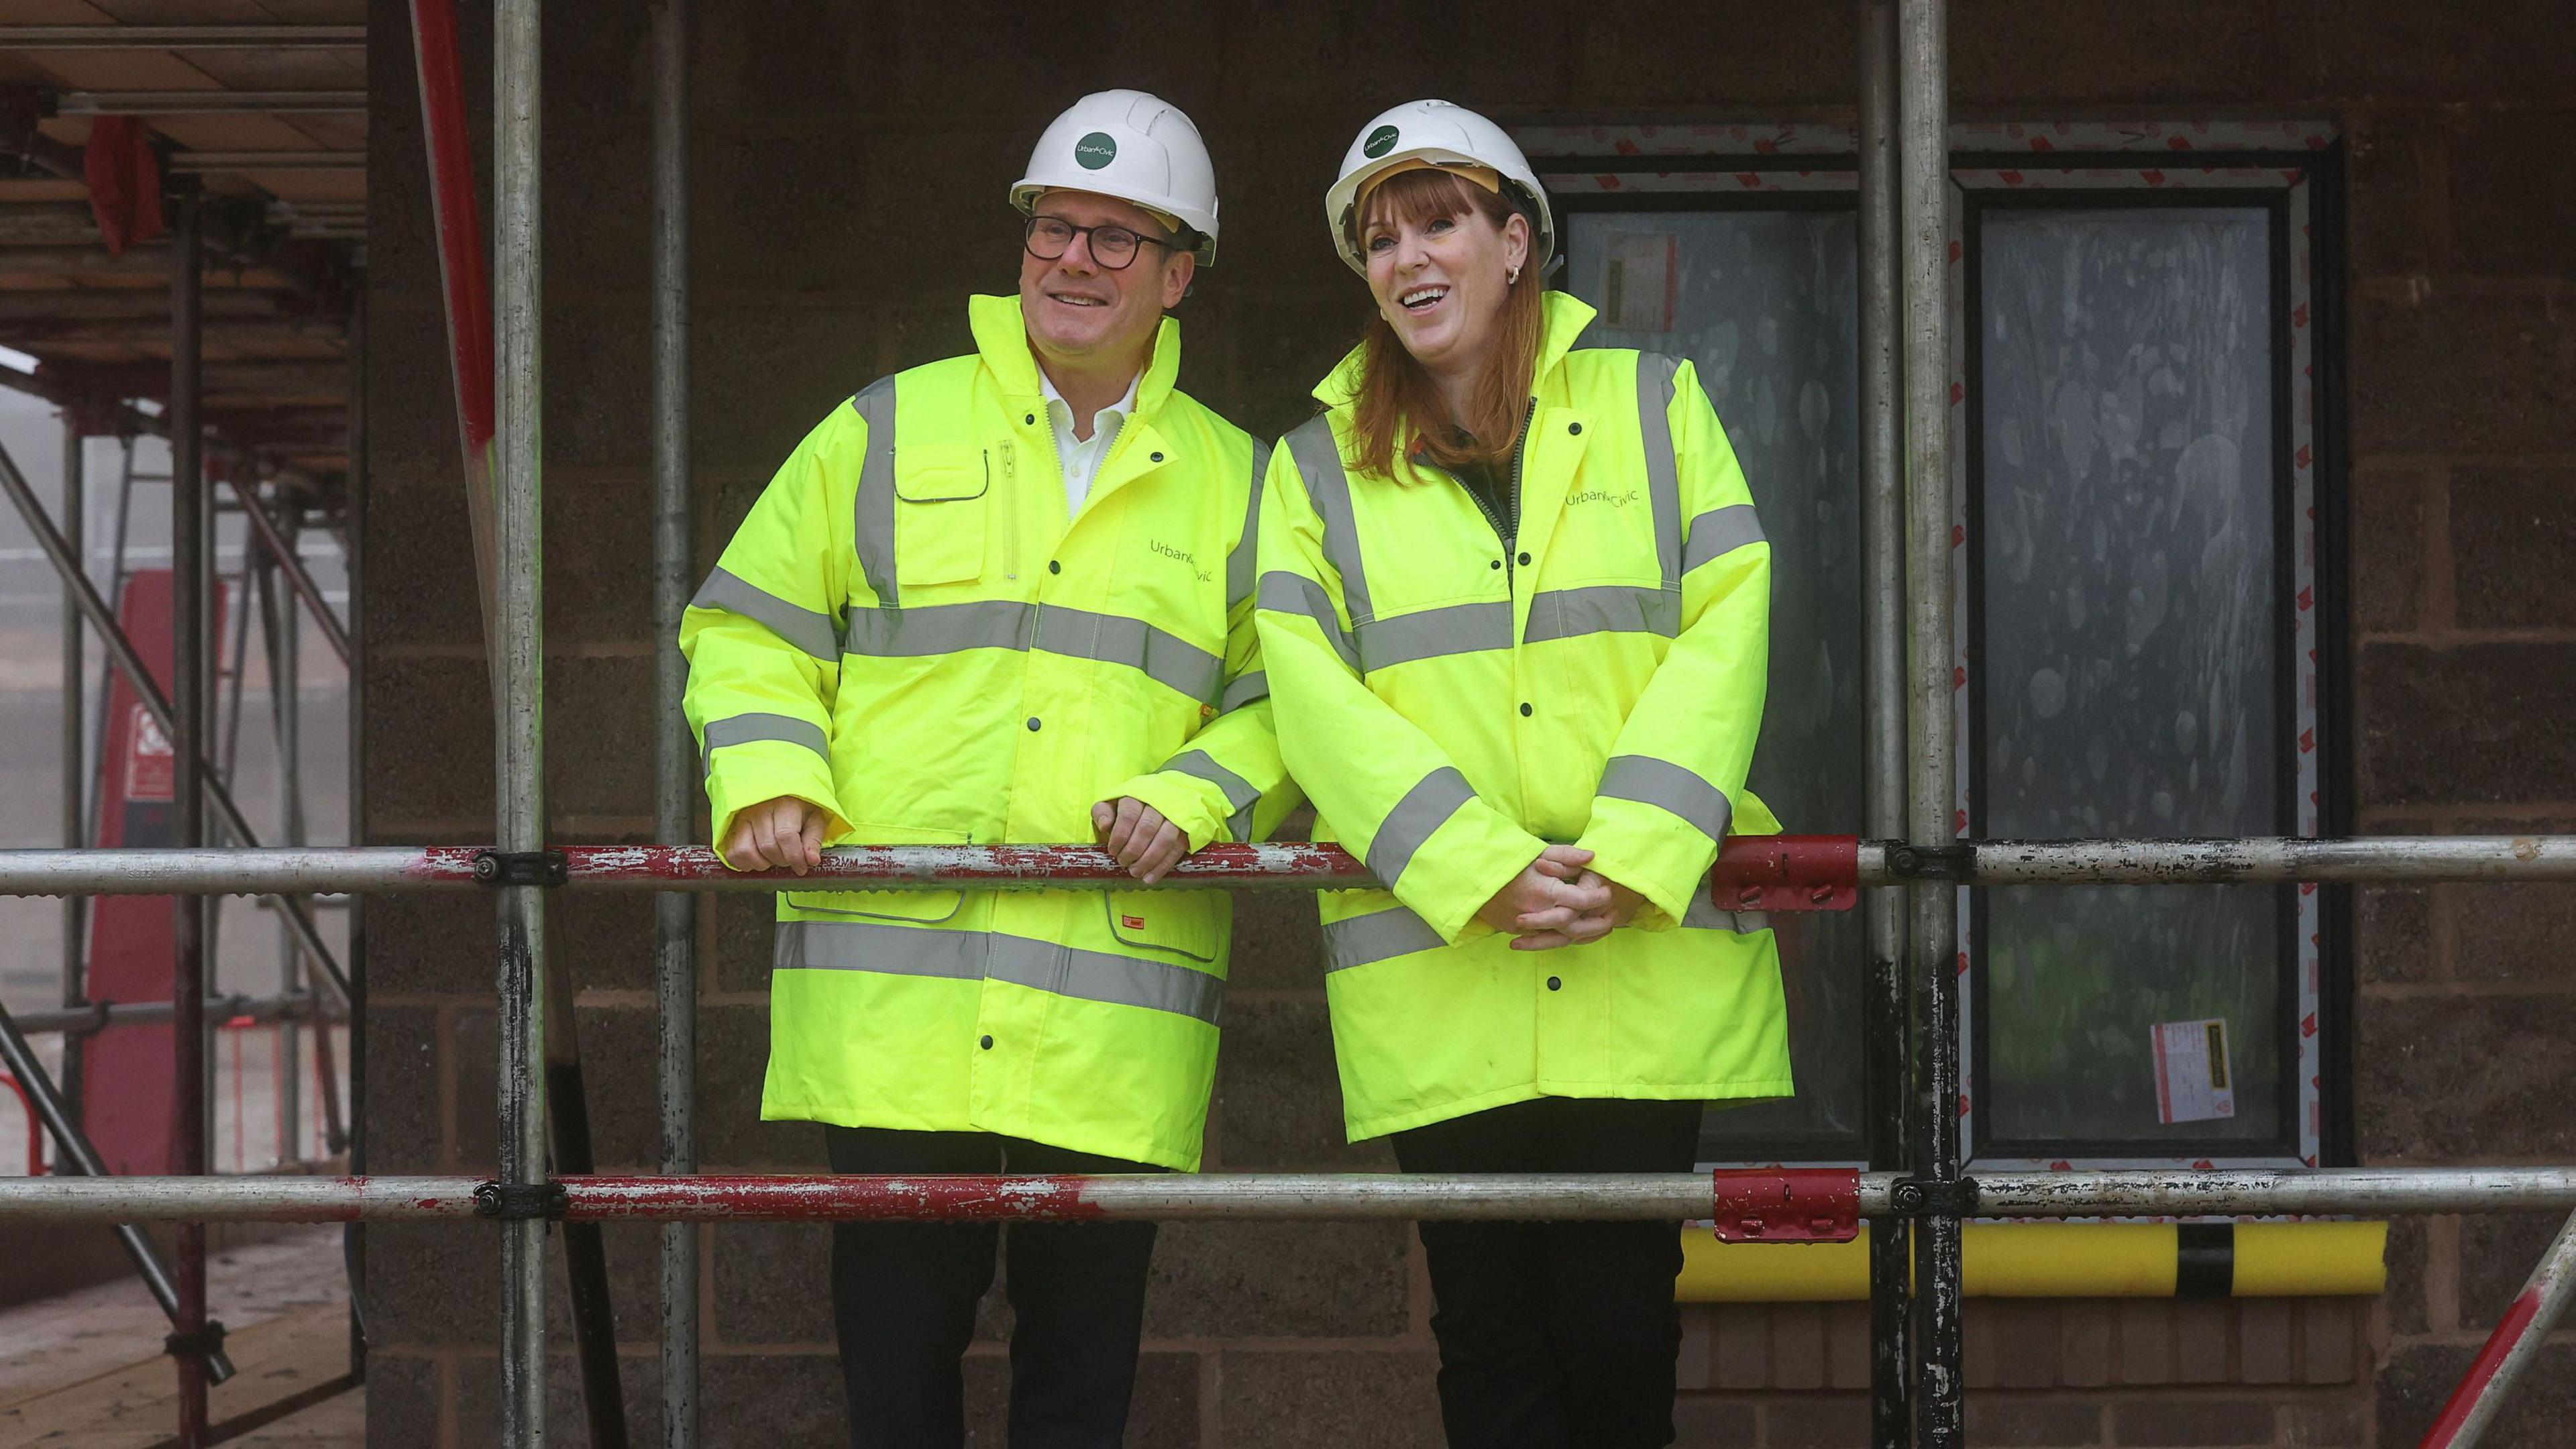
353,1250
1922,142
189,645
518,315
281,627
75,772
675,763
1882,526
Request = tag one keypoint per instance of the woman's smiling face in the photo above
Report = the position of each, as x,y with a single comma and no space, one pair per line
1440,281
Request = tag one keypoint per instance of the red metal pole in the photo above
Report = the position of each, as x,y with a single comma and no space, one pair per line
461,267
35,1130
2510,1349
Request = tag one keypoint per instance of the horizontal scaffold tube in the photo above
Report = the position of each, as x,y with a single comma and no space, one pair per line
383,870
1675,1197
2257,861
1788,872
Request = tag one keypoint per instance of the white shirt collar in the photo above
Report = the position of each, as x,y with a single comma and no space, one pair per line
1064,410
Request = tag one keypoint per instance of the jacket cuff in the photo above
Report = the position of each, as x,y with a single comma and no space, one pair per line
1471,857
1657,855
745,775
1184,800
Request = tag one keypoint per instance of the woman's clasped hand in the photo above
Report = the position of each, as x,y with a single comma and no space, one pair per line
1555,901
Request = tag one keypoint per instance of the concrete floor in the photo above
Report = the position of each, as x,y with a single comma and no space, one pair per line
86,1368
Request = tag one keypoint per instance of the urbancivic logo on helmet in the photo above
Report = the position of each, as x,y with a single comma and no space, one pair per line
1095,150
1379,142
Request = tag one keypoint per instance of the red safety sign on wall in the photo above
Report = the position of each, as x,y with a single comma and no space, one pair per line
148,761
125,1070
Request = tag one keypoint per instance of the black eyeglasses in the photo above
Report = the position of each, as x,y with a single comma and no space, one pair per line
1048,238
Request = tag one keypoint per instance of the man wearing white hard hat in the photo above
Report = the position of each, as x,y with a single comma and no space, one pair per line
1005,598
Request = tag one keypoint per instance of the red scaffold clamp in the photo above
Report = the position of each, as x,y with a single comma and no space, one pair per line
1787,873
1787,1204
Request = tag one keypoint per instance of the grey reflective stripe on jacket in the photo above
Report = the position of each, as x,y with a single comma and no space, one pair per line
743,729
1554,614
1434,633
1397,931
818,635
1603,609
1240,797
1239,565
1067,971
1163,657
915,633
1285,593
1667,786
1655,373
872,520
1328,486
1704,915
1377,936
1424,809
1246,689
1719,532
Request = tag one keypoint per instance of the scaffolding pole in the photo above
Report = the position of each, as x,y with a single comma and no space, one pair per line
1749,874
190,644
675,776
1823,1205
75,773
1882,525
280,546
2510,1349
122,657
1922,146
354,551
75,1154
516,625
91,1018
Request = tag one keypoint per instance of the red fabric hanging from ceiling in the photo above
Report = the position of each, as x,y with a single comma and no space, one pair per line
124,182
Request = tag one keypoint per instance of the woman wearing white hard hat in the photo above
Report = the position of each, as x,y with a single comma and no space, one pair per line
1514,604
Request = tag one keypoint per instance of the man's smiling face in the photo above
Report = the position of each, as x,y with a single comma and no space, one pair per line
1076,308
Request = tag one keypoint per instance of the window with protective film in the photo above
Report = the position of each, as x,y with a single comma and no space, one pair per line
2137,442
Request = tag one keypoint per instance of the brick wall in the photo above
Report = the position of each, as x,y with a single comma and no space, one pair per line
2464,530
850,162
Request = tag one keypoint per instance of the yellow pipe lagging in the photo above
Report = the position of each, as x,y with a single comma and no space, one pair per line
2053,1260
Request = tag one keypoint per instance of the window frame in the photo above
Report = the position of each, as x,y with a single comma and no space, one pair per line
2295,167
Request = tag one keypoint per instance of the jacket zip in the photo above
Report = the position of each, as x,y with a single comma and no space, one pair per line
1509,540
1520,448
1010,513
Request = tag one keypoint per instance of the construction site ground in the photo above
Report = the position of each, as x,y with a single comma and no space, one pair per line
86,1367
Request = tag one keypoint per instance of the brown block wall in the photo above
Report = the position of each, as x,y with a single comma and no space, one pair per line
849,165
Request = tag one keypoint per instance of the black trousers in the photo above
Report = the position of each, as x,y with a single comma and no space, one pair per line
1556,1335
904,1296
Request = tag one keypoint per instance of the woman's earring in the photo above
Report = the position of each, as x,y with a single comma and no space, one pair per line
1512,278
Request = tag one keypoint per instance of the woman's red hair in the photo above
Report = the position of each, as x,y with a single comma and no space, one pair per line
1395,391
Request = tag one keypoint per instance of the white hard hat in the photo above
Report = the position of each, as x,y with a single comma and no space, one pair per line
1132,146
1439,134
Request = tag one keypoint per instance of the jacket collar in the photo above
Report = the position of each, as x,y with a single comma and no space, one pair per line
1567,316
1002,340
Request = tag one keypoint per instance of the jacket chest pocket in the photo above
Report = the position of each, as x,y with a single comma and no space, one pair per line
943,493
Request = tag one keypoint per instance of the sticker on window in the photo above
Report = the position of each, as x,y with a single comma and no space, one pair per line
2193,1083
1641,280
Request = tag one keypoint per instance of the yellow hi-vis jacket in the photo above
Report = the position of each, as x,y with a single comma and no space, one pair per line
1450,709
908,632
